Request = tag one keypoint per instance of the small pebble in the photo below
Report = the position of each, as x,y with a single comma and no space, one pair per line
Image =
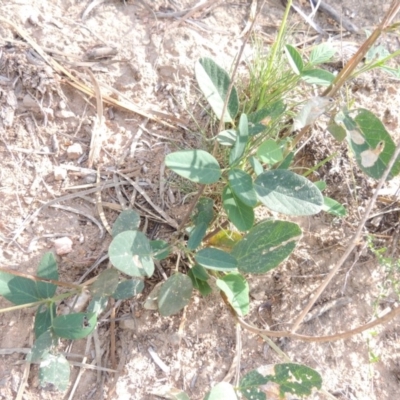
74,151
60,174
63,246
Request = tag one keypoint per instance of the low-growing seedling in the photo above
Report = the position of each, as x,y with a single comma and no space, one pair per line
250,165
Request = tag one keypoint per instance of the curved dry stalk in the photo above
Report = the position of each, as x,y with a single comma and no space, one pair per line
353,242
320,339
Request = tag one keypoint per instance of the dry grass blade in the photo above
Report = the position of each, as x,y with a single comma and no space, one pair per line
137,187
126,104
98,127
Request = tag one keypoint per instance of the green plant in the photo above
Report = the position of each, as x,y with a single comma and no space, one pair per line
251,165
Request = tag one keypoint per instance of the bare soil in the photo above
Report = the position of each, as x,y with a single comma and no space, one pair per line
41,117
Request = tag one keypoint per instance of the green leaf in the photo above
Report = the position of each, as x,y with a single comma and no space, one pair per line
285,164
199,272
42,346
368,157
337,131
241,140
106,283
54,370
236,290
291,379
128,220
130,252
202,286
331,206
221,391
160,249
294,58
128,288
239,214
47,269
18,290
204,215
195,165
214,83
322,53
285,192
266,246
227,137
241,185
273,111
97,304
317,77
74,326
216,259
196,235
43,318
321,185
174,294
269,152
256,165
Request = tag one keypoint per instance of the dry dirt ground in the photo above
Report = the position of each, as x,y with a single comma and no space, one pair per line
41,117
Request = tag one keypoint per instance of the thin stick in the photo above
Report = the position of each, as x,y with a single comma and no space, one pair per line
351,245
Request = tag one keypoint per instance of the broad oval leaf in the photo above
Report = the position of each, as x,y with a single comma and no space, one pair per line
236,290
196,235
374,153
54,369
202,286
18,290
160,249
43,318
128,220
266,246
256,165
204,215
280,381
106,283
317,77
269,152
227,137
241,140
130,252
322,53
285,192
74,326
195,165
128,288
97,304
239,214
216,259
42,346
47,269
294,59
225,239
242,186
221,391
214,82
199,272
174,294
